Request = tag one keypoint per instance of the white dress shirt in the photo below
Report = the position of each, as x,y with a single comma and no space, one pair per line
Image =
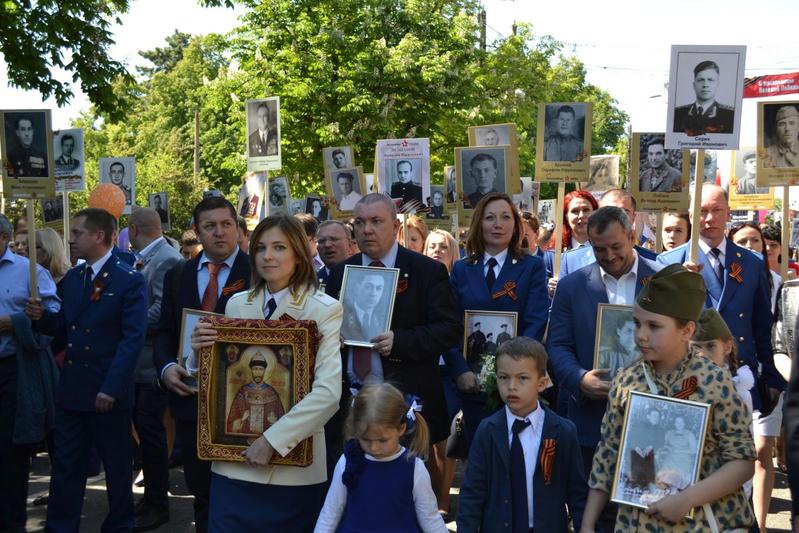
277,296
530,437
711,257
576,244
500,257
98,265
621,291
203,276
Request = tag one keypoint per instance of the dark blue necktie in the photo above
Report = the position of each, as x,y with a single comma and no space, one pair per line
490,276
518,479
720,267
272,305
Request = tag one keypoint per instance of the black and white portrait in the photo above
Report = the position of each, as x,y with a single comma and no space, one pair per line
338,157
403,169
160,202
438,203
250,201
603,173
546,211
25,141
263,134
494,135
367,294
405,178
484,332
705,91
346,186
781,135
483,170
449,178
564,132
710,170
53,209
68,149
615,339
661,448
660,169
120,171
317,207
297,205
746,173
526,200
278,195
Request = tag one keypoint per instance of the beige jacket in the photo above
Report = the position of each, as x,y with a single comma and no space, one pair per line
308,417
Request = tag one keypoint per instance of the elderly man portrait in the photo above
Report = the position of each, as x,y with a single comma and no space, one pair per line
346,185
405,186
65,162
705,115
483,170
26,156
784,153
660,176
563,144
263,141
333,243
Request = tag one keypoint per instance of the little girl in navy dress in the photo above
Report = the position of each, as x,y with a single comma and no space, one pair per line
378,484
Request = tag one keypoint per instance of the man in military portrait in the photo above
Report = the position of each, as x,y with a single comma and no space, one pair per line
660,176
475,346
65,162
504,335
483,169
705,115
263,140
563,144
405,187
26,156
364,307
784,153
116,174
747,184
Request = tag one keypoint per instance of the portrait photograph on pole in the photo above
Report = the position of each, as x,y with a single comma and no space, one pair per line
337,158
27,154
120,171
402,169
480,170
69,150
743,189
777,143
160,202
563,142
500,135
263,134
345,187
659,176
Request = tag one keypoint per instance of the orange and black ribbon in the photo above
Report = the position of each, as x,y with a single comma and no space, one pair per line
689,386
507,289
97,289
735,272
236,286
645,281
547,459
402,286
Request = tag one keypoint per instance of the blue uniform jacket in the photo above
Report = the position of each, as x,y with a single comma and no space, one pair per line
531,302
103,337
745,306
572,334
485,496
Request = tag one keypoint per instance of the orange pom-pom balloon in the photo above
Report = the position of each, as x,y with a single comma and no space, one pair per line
109,197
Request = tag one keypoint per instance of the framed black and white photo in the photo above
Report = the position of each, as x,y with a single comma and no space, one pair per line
53,210
316,206
367,294
279,195
69,153
251,199
120,171
437,203
705,92
661,448
500,135
659,176
337,158
297,205
344,187
27,154
603,173
402,169
450,179
186,356
744,193
563,142
528,198
614,347
263,134
546,211
777,143
479,170
160,202
484,332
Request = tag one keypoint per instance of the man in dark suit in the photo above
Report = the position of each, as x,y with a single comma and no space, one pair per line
425,319
405,188
155,258
791,419
263,141
333,243
617,275
163,215
65,162
206,282
103,322
705,115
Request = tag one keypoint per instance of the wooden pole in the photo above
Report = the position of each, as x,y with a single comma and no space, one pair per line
196,148
696,207
34,279
405,230
786,233
558,228
65,206
659,234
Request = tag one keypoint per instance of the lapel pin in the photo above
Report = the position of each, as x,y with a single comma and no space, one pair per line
738,254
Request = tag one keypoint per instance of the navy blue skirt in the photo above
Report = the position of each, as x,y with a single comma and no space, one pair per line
244,506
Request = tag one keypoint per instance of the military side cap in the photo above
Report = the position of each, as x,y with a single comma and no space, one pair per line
749,154
786,112
711,327
674,291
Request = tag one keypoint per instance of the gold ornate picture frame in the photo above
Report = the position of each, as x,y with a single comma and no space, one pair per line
255,372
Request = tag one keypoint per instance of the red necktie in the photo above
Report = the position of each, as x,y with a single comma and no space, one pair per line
377,264
210,295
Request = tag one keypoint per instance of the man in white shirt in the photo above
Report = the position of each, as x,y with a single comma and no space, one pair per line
349,197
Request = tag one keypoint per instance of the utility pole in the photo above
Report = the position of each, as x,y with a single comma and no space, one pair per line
481,18
196,147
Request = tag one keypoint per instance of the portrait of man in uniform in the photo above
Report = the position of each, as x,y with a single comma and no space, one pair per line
26,137
116,175
658,175
747,184
65,162
705,115
782,149
405,186
475,344
437,211
159,202
120,171
256,405
263,139
563,139
278,194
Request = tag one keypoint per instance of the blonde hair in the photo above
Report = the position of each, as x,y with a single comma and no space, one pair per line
451,242
384,405
54,258
416,223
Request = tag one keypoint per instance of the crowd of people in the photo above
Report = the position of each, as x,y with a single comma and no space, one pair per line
89,369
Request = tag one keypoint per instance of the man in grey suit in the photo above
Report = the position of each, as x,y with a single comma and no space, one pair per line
155,257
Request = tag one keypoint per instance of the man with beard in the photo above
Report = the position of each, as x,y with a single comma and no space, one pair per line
256,405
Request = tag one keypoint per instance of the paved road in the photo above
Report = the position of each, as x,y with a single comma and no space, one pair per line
95,506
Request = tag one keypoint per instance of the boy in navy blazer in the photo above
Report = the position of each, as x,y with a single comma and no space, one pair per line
525,466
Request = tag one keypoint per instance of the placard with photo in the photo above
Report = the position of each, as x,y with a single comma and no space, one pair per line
484,332
546,211
603,173
744,192
120,171
563,142
402,169
500,135
344,188
337,158
777,143
705,91
659,176
69,152
614,348
479,170
279,195
263,134
317,207
450,178
438,206
53,212
367,294
527,200
27,153
160,202
250,202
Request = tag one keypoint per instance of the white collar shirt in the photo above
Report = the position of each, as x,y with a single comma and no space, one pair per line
530,438
98,265
279,295
621,291
501,257
388,260
714,261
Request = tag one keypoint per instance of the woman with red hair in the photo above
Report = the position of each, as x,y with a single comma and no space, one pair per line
577,207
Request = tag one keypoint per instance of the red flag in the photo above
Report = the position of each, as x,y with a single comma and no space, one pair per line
771,85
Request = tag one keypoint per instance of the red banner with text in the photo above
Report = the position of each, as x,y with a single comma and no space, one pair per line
771,85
